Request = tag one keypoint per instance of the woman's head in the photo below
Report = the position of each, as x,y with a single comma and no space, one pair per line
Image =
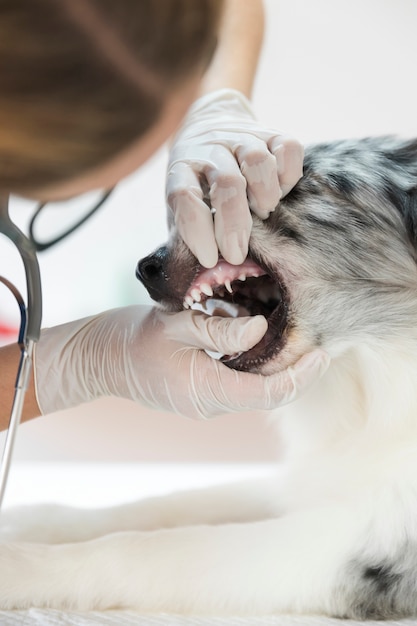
84,81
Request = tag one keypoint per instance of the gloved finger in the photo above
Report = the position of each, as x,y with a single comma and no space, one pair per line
289,154
191,214
232,220
259,167
225,335
244,391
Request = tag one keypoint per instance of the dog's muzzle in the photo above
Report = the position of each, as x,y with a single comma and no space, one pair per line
227,290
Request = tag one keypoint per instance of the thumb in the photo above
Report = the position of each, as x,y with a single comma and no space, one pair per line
226,335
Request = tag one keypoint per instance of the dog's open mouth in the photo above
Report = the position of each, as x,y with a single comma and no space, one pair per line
241,290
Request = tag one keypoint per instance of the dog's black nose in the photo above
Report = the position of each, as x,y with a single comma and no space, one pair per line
151,272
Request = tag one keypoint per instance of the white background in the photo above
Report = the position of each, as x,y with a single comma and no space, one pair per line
329,69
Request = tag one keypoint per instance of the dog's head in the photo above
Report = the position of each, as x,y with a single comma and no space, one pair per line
333,266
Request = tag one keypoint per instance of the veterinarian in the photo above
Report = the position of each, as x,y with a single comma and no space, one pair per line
89,90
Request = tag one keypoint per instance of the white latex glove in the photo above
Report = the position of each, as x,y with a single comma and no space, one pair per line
146,355
223,154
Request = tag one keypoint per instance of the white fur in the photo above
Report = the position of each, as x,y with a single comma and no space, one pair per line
343,476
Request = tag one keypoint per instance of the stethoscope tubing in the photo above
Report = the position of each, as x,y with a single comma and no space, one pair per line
29,334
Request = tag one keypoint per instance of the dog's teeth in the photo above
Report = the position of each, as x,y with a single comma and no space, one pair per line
221,292
205,288
185,305
196,295
242,277
228,285
189,300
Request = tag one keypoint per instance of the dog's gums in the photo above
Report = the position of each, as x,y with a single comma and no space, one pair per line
240,290
219,279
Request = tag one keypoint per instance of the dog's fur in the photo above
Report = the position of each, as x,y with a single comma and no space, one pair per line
335,532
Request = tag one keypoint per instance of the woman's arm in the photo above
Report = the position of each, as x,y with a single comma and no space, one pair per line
9,362
153,358
223,154
240,41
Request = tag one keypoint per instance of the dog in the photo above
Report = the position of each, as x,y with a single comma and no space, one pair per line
334,532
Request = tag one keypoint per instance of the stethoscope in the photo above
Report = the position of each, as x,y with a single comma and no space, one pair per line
29,332
30,315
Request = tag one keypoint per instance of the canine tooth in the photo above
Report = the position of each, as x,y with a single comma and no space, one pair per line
228,285
185,305
242,277
189,300
196,295
205,288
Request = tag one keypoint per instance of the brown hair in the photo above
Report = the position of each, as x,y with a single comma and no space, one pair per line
80,80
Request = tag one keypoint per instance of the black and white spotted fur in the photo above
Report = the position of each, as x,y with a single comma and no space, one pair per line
335,531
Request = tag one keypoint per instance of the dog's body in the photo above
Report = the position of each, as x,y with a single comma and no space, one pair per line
335,532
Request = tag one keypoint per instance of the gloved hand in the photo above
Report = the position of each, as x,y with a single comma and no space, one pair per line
155,358
223,154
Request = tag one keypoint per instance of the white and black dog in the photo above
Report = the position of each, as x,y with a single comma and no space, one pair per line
335,531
